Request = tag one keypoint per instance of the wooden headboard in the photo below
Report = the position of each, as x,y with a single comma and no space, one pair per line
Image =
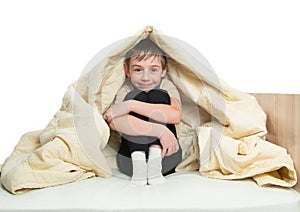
283,123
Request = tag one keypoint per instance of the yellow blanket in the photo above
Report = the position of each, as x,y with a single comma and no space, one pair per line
222,130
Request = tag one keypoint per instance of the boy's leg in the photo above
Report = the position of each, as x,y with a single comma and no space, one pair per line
161,97
139,168
169,163
154,166
138,143
131,158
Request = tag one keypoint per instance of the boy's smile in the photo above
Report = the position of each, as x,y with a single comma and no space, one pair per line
145,74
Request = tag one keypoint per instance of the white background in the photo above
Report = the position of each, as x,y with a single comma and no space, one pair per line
254,45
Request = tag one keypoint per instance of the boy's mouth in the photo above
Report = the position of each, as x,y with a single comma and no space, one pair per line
145,85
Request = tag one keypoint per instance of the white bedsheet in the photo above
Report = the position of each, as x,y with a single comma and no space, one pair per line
185,191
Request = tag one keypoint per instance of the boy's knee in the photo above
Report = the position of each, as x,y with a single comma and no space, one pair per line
159,96
137,95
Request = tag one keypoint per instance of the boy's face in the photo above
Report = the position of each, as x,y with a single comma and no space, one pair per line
145,74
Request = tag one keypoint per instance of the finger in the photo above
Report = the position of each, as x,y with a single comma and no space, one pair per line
108,117
163,152
176,148
108,113
169,152
172,150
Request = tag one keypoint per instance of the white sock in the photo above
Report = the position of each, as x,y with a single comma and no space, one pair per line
155,167
139,168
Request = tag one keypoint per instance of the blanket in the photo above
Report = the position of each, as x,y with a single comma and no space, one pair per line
222,132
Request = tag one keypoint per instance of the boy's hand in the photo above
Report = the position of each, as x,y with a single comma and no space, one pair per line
169,143
117,110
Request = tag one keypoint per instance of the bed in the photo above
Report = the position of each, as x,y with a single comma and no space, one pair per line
184,191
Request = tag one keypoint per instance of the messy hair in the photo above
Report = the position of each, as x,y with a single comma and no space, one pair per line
146,48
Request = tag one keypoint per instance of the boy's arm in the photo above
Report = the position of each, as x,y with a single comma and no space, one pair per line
170,114
134,126
131,125
163,113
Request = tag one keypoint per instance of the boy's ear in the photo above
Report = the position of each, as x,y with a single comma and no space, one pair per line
164,72
126,70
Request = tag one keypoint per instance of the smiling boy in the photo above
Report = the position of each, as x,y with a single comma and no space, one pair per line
145,112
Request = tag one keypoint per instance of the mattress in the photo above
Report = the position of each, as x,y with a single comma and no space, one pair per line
184,191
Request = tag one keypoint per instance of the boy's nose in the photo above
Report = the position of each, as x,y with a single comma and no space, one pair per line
145,75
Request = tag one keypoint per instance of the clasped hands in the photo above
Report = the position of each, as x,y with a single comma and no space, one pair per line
167,139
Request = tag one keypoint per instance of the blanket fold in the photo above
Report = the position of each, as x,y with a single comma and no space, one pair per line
222,133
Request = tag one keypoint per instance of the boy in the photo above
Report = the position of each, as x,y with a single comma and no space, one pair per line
145,114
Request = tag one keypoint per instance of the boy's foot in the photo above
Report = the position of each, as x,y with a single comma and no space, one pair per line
139,168
157,180
155,176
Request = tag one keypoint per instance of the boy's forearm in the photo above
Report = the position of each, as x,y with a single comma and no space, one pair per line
159,112
131,125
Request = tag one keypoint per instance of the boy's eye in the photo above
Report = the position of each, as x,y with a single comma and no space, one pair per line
154,70
137,70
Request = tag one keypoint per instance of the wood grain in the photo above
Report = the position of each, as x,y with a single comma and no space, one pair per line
283,123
